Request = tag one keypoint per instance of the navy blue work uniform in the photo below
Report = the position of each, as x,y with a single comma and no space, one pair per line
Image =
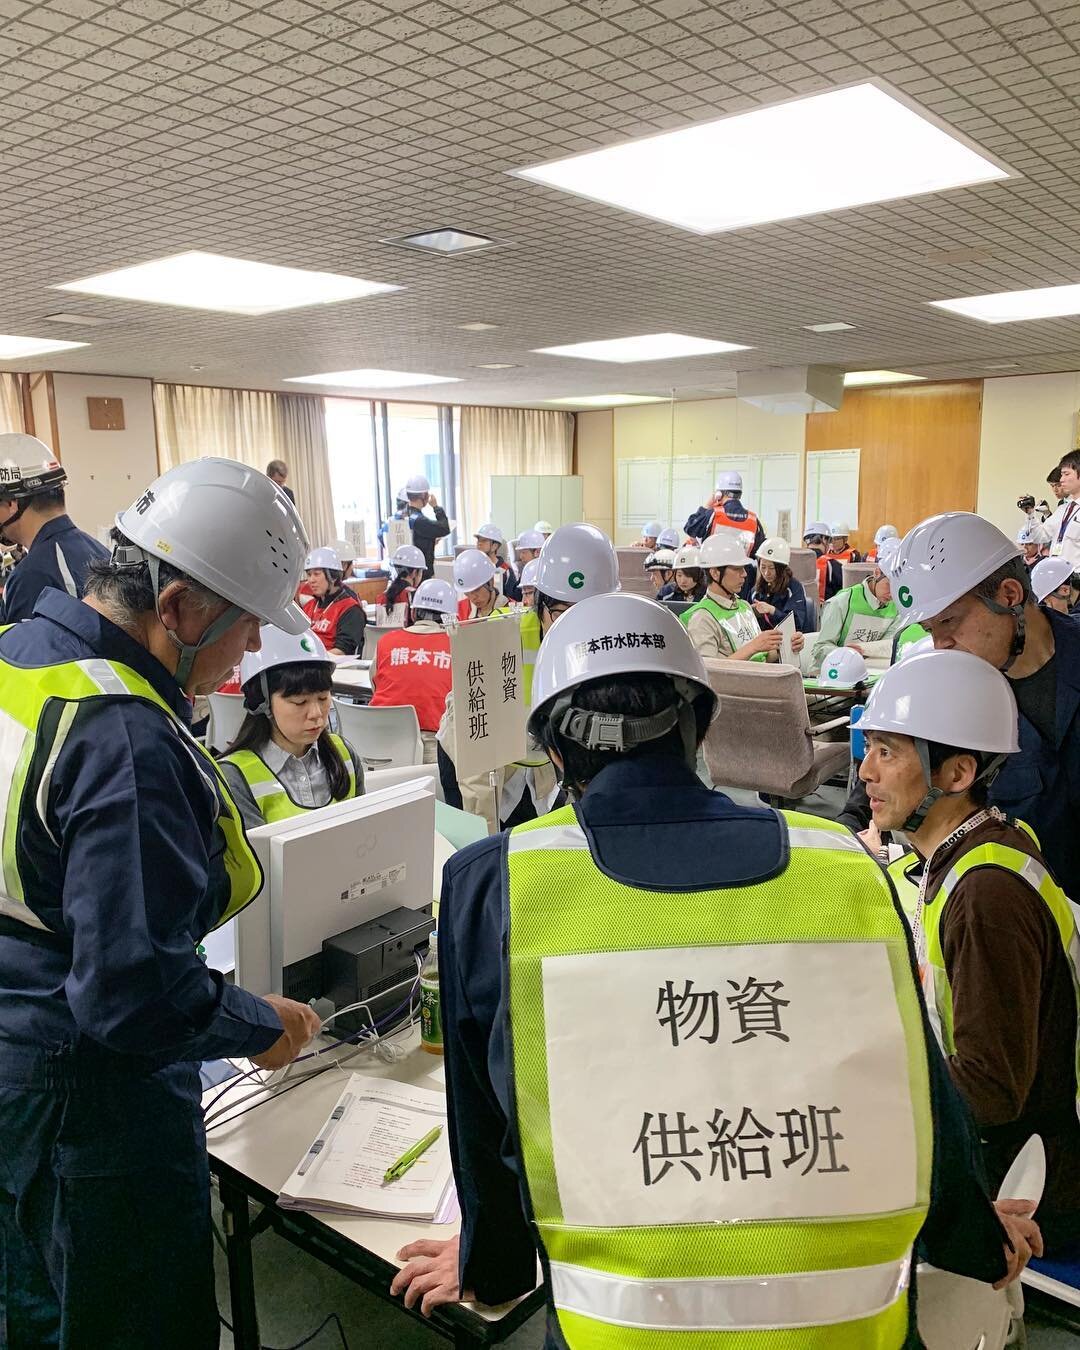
59,557
105,1238
791,600
635,814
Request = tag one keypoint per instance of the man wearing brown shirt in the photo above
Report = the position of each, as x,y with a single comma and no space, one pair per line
992,928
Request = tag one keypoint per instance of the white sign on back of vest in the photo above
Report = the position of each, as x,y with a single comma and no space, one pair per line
740,1084
397,535
489,697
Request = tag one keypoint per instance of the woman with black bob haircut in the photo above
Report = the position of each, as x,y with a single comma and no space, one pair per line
285,760
777,593
407,569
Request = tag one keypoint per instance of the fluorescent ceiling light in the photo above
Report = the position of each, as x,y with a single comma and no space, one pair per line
229,285
77,320
447,242
644,347
855,378
828,327
495,365
825,152
15,348
372,379
1046,302
607,400
1003,365
478,327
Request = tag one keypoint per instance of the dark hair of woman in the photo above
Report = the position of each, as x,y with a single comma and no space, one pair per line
764,591
700,584
397,590
304,677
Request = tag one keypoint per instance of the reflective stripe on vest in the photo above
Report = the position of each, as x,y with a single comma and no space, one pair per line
907,890
38,706
865,622
722,521
739,624
1065,913
636,1262
270,793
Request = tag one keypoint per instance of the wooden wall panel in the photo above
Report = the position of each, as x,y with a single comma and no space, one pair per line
920,450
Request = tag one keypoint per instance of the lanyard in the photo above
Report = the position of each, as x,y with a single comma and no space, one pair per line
918,928
1065,521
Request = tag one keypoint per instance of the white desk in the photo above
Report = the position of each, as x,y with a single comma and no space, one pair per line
253,1156
352,676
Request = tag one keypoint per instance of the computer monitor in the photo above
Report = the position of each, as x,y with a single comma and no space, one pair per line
326,872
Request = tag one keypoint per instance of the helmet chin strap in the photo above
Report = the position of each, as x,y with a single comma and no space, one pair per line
933,794
1019,631
4,537
189,650
719,583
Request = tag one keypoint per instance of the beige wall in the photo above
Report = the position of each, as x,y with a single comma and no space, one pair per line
106,469
594,451
1028,423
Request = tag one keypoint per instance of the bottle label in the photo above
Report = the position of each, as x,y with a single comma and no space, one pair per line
431,1032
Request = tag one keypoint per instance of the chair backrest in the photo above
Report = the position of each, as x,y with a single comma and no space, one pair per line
384,737
372,633
761,737
632,564
444,570
856,573
226,719
811,612
804,565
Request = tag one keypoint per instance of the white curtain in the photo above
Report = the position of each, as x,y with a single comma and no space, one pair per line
11,413
253,426
509,441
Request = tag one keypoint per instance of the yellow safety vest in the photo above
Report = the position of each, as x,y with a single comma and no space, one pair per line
655,1234
270,793
1065,913
37,708
531,636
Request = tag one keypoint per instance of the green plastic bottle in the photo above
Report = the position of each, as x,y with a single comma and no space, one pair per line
431,1030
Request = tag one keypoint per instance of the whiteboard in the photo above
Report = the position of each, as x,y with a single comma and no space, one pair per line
832,486
671,489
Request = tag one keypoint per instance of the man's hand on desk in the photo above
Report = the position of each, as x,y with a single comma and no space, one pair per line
430,1274
300,1025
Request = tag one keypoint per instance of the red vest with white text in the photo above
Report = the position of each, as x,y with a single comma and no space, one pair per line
413,669
324,622
722,521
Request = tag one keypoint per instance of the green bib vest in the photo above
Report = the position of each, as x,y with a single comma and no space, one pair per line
864,622
37,709
674,1205
914,632
739,625
270,793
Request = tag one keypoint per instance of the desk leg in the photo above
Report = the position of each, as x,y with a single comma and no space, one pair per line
237,1221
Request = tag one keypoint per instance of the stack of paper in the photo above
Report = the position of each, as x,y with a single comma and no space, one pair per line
374,1122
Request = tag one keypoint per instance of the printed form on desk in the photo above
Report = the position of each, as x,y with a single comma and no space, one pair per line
374,1122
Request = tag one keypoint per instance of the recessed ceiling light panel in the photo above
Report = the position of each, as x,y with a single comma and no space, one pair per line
449,242
227,285
1045,302
643,347
828,327
855,379
14,348
607,400
372,379
826,152
495,365
478,327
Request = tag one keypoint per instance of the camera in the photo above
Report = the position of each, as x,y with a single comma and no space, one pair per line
1026,503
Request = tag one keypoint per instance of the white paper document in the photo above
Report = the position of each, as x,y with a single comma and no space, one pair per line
786,629
374,1122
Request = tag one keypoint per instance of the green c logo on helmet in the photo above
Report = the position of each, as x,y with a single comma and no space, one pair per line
306,644
576,580
904,596
834,674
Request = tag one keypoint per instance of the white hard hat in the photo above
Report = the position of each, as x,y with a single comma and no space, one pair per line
943,558
840,530
529,571
472,569
843,668
417,486
1048,575
651,529
27,466
948,697
723,550
529,539
1033,532
668,538
729,481
401,496
407,558
884,532
435,594
280,649
492,532
608,635
578,561
544,527
816,527
686,557
663,558
325,559
910,649
887,554
228,527
775,551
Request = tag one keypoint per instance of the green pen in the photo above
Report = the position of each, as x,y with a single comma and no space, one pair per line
397,1170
